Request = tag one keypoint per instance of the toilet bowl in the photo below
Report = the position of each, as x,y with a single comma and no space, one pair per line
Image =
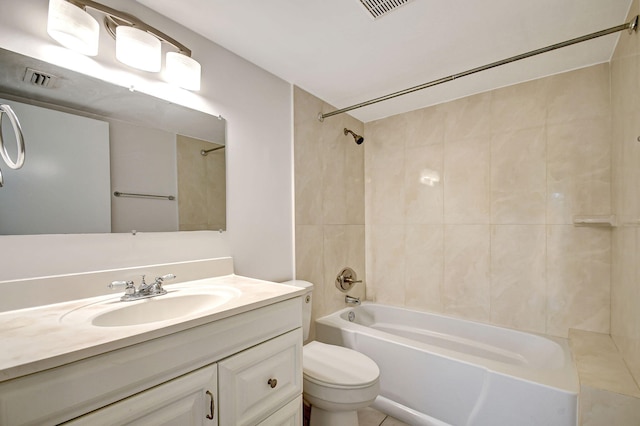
337,381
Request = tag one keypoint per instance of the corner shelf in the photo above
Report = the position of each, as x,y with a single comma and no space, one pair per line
595,220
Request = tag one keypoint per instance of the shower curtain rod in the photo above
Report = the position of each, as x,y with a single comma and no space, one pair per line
631,26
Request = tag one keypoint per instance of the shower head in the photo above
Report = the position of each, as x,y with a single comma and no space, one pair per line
359,139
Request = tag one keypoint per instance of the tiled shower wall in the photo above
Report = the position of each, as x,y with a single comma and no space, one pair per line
469,205
329,201
625,288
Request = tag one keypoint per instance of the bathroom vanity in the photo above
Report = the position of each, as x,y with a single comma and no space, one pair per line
234,360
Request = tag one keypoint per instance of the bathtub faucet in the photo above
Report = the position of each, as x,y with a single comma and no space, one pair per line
350,300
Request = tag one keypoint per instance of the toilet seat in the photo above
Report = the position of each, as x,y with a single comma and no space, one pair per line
338,367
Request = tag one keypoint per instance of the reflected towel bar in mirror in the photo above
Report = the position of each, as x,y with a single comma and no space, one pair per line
157,197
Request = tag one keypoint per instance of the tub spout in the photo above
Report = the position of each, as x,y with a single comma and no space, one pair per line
350,300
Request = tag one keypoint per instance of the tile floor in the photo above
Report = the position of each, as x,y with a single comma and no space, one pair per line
372,417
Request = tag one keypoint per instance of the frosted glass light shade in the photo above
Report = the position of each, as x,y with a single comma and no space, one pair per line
73,28
138,49
183,71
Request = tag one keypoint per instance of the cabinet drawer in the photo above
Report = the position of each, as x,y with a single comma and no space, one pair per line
255,383
289,415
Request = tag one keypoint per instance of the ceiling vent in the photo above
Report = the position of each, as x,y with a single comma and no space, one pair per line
379,8
40,78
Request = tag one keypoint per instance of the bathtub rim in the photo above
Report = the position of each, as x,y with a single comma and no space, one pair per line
564,379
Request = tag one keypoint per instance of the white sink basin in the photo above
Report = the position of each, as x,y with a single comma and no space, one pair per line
177,303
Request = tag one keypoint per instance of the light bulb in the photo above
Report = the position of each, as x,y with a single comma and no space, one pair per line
138,49
73,28
183,71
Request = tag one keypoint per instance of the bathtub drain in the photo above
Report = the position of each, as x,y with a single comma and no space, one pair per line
352,316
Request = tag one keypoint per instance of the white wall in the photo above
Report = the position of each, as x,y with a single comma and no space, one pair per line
257,107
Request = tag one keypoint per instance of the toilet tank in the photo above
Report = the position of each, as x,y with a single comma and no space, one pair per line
306,304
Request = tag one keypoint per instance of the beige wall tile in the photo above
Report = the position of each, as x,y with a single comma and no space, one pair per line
466,288
308,185
385,163
598,407
467,117
425,126
520,106
625,84
354,177
343,170
466,181
329,179
424,263
518,177
625,286
306,108
625,293
579,169
629,184
518,276
310,267
387,267
578,277
599,363
423,186
579,94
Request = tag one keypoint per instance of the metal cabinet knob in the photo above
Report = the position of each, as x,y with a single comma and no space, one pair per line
273,383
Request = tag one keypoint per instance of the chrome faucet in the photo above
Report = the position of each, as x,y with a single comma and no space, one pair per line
144,290
350,300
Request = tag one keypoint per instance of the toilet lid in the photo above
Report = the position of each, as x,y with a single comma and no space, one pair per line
338,366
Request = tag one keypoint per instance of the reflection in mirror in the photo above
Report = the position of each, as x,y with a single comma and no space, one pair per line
127,141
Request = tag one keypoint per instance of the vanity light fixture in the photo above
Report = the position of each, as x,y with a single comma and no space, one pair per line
138,45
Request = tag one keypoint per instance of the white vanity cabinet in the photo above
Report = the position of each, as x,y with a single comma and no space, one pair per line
223,369
240,390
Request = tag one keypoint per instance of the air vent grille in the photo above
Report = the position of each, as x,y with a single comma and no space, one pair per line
379,8
39,78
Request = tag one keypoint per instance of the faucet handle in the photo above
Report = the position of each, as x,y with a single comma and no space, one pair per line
160,280
346,279
129,287
115,284
166,277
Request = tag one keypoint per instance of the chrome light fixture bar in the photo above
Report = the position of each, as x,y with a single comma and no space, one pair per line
137,43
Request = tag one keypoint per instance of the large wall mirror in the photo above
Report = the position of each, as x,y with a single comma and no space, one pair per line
102,158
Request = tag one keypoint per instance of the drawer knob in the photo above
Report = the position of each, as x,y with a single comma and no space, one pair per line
273,383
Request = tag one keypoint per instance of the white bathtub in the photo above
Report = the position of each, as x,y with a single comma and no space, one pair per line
438,370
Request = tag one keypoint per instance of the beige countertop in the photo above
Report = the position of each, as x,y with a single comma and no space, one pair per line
43,337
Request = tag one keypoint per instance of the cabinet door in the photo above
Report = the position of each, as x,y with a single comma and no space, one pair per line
185,401
258,381
289,415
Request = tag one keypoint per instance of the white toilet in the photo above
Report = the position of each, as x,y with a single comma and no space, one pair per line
337,381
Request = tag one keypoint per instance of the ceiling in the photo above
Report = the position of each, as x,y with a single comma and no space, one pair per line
336,51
